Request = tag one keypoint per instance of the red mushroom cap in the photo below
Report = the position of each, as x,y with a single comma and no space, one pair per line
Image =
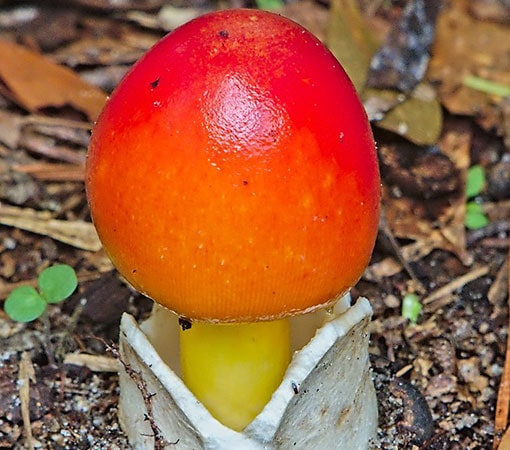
232,175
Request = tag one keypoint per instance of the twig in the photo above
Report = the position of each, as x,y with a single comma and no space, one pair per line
25,375
503,401
46,340
73,321
159,440
456,284
384,226
52,171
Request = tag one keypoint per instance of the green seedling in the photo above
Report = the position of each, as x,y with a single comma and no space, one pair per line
475,217
487,86
55,284
411,307
475,183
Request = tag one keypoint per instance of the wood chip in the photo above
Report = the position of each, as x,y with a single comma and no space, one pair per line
96,363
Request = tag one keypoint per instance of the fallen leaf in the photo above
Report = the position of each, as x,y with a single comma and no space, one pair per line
466,46
418,119
350,40
36,82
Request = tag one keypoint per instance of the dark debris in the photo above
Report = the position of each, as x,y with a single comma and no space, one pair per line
402,61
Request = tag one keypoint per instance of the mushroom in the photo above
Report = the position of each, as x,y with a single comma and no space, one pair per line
232,177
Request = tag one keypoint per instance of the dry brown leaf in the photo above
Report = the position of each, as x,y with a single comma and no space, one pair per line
351,40
36,82
467,46
418,119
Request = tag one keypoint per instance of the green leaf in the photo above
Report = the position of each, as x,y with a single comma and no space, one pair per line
24,304
475,217
475,181
411,307
269,4
58,282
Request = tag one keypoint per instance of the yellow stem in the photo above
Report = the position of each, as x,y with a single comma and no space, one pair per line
233,369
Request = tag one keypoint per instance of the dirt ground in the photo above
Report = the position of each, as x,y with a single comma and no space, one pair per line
437,378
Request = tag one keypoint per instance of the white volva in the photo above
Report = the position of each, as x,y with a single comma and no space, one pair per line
325,401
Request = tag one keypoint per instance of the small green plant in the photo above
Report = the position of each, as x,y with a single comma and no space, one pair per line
411,307
55,284
475,183
486,86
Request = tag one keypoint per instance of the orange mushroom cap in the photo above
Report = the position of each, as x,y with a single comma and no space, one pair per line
232,175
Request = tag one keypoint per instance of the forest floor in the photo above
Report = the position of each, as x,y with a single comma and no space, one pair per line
437,374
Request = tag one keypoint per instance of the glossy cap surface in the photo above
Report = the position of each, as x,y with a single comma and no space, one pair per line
232,175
